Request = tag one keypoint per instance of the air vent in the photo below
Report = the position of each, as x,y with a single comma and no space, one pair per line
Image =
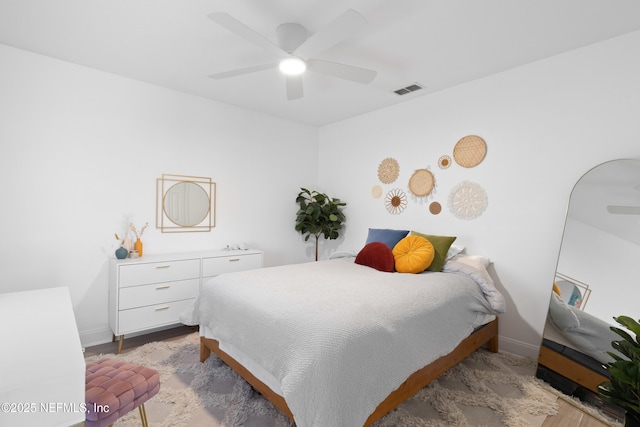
408,89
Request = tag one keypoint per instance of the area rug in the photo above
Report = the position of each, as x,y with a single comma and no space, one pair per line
486,389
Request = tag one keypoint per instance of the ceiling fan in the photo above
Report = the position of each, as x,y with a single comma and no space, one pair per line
623,210
296,51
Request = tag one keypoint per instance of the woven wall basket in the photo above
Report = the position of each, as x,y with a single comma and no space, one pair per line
421,183
470,151
388,170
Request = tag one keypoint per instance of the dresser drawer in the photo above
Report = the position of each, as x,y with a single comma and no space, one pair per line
138,296
227,264
158,272
138,319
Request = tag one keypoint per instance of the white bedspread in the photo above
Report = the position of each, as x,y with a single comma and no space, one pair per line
340,336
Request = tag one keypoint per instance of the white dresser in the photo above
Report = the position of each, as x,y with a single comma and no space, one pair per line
151,291
42,368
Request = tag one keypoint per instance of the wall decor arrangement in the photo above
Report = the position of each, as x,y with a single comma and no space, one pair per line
395,201
470,151
388,170
467,200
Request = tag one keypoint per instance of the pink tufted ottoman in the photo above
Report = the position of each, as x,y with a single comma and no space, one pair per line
113,388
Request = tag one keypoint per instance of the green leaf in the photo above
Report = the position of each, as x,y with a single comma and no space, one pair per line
630,324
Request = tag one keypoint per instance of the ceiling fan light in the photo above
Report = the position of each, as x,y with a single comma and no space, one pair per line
292,66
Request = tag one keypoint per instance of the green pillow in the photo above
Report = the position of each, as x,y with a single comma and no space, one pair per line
441,246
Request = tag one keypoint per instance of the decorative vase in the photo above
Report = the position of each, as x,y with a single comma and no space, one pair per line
121,252
138,246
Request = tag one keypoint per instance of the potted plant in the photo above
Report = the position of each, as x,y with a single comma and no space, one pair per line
623,388
319,214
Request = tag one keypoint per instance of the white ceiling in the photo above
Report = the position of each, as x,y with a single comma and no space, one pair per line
437,43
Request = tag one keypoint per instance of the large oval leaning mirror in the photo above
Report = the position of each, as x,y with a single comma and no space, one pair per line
595,280
185,203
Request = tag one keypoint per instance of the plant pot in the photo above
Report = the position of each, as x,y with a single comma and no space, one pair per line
121,252
138,246
631,419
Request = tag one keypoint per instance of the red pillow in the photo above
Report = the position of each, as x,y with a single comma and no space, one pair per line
377,255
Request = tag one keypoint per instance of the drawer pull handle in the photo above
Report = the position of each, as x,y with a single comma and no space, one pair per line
163,266
163,287
166,307
234,259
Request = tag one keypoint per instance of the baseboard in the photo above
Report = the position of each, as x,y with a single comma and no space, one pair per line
519,348
95,337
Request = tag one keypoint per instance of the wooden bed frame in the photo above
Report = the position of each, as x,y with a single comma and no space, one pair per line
570,369
487,334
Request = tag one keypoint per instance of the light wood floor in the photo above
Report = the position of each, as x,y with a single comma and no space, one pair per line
568,415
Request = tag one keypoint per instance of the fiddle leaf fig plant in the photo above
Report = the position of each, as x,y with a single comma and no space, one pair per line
623,388
319,215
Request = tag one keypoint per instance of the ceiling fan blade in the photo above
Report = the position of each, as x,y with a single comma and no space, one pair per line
237,27
343,27
624,210
294,87
342,71
241,71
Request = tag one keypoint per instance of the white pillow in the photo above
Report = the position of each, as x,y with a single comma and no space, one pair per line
454,250
474,260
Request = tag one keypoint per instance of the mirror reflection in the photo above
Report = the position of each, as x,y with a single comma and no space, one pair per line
594,281
186,204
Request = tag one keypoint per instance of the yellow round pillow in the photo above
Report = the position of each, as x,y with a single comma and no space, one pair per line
413,254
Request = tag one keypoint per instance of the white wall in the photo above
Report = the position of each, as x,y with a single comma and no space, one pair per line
81,151
545,124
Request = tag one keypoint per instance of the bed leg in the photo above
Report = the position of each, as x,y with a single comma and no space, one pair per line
205,352
493,344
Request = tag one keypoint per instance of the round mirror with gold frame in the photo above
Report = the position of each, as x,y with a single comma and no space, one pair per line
185,203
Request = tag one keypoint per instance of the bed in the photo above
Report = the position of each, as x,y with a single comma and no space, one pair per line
336,343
